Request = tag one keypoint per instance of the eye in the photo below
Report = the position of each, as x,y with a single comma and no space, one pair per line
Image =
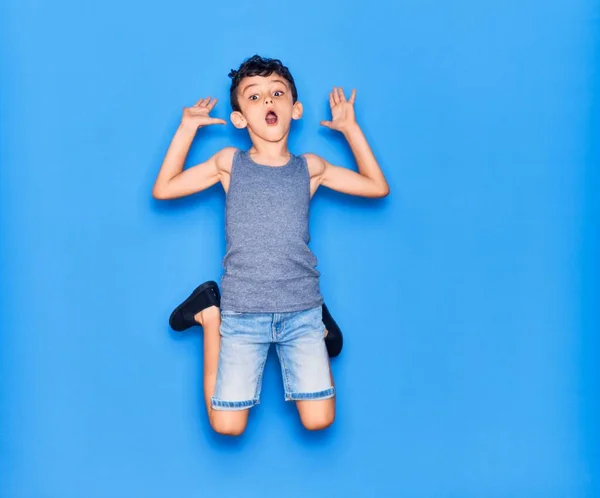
278,92
252,97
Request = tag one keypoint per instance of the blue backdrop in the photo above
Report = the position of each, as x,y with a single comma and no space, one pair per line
468,296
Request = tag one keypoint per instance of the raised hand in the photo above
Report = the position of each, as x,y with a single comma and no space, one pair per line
342,110
198,114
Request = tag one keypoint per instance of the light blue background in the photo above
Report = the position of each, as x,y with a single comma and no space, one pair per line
468,297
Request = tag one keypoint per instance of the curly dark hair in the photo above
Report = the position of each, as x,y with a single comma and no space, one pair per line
258,66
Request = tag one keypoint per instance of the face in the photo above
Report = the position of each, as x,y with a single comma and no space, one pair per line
267,107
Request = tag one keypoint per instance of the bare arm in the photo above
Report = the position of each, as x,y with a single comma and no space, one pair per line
369,181
172,181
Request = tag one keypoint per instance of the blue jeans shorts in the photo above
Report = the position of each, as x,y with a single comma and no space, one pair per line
245,341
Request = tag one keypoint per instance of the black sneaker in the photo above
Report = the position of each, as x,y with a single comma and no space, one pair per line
204,296
334,340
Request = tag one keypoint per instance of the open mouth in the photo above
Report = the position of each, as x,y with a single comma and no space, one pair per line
271,118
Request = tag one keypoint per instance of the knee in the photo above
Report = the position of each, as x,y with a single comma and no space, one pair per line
227,428
227,425
317,422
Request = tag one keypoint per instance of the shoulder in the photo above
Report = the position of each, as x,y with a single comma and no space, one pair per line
315,163
224,159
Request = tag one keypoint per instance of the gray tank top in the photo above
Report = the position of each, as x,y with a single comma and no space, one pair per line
268,266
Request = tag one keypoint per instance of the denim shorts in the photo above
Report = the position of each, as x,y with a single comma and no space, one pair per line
245,341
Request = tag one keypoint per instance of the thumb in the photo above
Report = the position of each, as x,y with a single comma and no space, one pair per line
326,123
217,121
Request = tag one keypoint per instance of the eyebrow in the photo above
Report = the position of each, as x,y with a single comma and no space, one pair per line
254,84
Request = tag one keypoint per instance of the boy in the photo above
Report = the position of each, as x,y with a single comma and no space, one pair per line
270,286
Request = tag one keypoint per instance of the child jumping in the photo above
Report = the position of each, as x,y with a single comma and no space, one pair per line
270,286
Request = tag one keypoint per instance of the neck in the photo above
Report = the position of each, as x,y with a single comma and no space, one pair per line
270,152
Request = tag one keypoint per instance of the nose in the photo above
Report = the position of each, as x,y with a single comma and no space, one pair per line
269,100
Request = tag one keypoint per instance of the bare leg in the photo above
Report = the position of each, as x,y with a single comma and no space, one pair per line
319,414
231,423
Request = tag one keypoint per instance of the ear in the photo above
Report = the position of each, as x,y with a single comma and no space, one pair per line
238,120
297,111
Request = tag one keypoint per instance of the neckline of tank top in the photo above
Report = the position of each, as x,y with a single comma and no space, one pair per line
247,154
